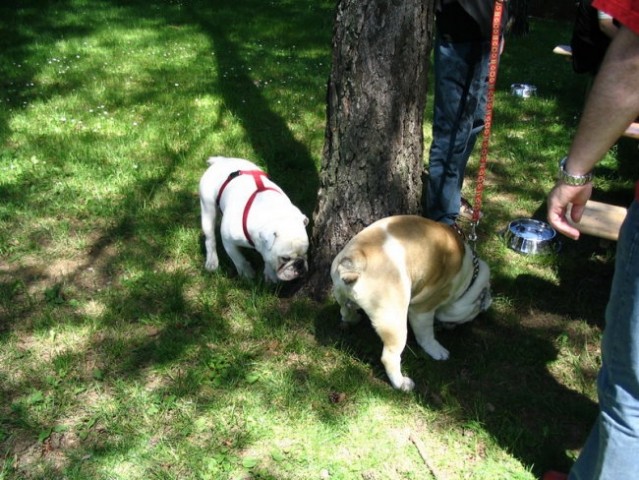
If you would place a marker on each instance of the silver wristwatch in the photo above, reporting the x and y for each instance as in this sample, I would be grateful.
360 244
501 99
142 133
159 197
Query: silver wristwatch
574 180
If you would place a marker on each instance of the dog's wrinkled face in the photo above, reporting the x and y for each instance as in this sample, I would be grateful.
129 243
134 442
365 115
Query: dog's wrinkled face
290 268
284 249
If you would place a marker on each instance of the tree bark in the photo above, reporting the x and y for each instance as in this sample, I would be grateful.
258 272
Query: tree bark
372 161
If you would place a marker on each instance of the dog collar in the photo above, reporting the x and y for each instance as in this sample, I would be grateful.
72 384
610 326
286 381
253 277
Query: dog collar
475 273
260 187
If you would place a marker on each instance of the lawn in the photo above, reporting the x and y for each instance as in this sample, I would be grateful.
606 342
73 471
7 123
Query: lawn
122 358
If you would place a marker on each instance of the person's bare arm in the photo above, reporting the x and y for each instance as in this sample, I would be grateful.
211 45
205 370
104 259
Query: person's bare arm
612 105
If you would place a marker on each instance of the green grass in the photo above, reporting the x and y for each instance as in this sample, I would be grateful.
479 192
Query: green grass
121 358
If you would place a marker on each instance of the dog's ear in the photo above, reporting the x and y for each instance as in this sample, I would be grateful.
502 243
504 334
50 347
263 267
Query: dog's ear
303 217
347 271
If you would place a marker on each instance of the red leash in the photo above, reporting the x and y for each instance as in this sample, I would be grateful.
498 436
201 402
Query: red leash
488 119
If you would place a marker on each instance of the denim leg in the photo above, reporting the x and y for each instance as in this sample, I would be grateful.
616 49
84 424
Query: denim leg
461 73
612 449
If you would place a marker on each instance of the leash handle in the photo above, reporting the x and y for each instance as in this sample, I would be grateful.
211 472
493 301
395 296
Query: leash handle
488 119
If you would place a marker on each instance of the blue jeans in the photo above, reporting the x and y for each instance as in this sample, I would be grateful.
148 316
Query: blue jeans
612 449
461 84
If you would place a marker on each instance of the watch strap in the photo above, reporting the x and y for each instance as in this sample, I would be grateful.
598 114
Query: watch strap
573 180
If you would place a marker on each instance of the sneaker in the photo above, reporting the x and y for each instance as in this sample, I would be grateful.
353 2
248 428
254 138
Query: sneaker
552 475
466 211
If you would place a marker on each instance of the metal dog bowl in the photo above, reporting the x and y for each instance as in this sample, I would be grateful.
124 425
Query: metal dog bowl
523 90
531 237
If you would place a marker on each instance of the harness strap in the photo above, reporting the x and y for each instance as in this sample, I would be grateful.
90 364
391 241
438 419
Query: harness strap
259 187
224 185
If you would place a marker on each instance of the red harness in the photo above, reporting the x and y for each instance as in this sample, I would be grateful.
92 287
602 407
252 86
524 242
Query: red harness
260 187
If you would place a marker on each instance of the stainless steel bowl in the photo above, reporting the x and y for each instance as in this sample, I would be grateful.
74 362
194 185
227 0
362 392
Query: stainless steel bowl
531 237
523 90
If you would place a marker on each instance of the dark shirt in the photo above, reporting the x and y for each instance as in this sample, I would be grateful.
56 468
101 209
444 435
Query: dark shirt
588 42
465 20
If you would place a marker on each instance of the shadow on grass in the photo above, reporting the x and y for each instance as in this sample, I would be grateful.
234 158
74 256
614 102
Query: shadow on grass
288 160
497 377
170 330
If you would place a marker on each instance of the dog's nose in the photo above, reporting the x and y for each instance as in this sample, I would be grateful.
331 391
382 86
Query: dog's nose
300 265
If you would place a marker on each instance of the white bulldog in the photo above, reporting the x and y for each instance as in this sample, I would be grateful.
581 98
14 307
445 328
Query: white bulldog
408 266
256 214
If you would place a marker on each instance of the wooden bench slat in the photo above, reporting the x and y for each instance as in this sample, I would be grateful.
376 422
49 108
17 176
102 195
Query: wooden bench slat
601 220
632 131
565 50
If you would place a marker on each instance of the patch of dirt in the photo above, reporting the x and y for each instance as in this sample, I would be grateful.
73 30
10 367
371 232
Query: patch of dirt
28 456
86 271
542 321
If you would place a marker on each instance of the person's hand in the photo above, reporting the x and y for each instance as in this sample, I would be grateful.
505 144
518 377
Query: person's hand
559 200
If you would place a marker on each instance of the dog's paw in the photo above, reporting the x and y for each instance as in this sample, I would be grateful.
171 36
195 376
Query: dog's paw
435 350
349 312
345 326
270 276
350 317
246 272
211 263
485 299
406 385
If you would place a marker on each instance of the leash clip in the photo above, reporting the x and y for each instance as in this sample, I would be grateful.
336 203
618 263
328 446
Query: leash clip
472 236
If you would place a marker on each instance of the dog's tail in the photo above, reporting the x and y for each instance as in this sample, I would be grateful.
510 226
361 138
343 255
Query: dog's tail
212 160
350 266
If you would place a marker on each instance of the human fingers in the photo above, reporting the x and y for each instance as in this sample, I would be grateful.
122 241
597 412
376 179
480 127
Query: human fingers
557 210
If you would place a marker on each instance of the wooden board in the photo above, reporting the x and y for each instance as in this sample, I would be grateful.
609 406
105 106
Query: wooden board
565 50
632 131
600 220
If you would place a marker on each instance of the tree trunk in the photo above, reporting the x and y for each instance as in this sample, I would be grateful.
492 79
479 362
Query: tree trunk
372 162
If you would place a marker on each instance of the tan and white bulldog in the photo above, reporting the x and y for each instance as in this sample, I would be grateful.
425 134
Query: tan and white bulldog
256 214
408 266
